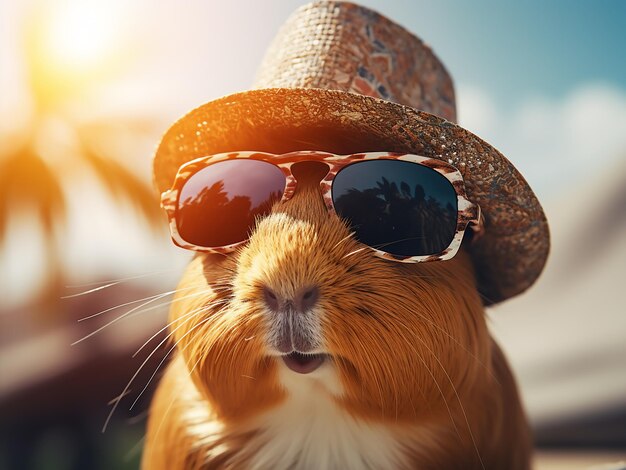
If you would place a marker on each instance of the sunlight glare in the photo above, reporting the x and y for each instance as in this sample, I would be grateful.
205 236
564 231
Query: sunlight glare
81 34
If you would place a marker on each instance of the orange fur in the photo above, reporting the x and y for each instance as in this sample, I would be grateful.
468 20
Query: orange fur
409 343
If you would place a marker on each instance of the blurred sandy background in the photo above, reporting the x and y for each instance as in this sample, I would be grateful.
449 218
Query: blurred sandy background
88 87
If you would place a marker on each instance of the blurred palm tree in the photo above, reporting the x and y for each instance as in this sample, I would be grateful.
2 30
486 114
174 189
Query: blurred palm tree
31 179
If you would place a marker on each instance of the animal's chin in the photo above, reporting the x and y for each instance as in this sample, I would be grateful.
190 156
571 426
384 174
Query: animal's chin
303 363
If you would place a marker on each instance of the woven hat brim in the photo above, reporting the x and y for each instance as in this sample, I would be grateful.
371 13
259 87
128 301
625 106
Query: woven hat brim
510 255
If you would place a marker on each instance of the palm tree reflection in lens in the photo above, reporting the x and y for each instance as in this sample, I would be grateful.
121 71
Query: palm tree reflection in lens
392 218
219 205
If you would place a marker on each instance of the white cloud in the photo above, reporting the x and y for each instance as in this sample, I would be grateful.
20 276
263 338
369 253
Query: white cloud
553 143
477 111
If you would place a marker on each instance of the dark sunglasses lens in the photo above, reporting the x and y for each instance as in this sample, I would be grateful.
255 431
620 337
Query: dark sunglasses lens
398 207
218 205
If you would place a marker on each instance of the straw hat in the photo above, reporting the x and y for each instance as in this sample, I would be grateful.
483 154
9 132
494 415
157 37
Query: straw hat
344 79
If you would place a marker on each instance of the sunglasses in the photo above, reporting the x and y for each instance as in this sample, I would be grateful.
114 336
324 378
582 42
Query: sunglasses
405 207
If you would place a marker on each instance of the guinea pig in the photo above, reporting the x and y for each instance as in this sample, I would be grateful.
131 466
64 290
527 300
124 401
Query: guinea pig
375 364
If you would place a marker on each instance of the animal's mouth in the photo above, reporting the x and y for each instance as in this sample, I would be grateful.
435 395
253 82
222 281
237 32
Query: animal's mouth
303 363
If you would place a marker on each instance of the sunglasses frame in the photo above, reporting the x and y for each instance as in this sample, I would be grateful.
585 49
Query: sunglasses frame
468 213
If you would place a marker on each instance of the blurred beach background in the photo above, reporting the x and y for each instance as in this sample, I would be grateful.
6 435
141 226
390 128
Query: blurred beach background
88 87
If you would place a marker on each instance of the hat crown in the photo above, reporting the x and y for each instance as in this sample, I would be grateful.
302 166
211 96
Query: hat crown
347 47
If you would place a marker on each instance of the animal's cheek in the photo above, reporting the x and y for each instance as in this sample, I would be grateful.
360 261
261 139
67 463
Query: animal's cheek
229 355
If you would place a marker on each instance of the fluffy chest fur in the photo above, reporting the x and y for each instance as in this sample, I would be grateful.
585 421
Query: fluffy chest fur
309 430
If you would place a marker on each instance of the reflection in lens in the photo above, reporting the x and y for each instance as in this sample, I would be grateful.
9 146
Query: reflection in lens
218 205
398 207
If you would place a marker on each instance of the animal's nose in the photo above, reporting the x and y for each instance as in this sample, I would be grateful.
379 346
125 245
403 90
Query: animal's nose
303 300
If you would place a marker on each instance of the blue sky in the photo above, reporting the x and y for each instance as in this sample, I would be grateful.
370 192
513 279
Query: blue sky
513 49
518 49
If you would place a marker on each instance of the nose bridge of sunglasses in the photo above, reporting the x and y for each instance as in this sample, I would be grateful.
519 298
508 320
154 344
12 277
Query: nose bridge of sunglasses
309 172
306 200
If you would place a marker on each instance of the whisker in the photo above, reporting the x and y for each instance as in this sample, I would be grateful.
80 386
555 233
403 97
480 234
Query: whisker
121 279
136 311
456 341
456 394
162 294
167 410
430 372
169 324
90 291
382 245
119 397
221 328
143 364
347 237
167 355
200 310
151 297
354 252
174 395
121 317
372 369
135 450
193 312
